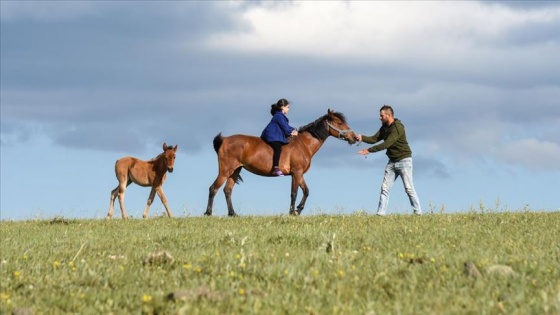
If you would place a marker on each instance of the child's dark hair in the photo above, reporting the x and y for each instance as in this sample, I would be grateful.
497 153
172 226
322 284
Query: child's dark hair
278 106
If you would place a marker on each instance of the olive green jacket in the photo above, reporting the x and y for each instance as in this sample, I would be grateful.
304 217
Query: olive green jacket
394 140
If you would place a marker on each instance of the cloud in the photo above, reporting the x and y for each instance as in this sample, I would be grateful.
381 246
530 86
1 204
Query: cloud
531 153
378 30
522 5
46 11
465 77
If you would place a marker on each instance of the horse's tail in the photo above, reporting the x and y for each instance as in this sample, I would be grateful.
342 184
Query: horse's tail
218 140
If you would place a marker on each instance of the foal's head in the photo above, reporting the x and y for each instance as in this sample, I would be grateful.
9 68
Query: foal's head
338 127
169 156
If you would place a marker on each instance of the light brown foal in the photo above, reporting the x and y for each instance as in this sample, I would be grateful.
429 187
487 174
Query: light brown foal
150 173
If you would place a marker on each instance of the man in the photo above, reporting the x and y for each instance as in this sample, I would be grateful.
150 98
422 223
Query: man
400 158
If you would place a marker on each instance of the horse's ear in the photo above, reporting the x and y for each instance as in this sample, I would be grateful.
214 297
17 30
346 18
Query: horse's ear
164 146
330 112
175 148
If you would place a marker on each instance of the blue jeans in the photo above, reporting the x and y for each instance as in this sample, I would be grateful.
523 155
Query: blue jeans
402 168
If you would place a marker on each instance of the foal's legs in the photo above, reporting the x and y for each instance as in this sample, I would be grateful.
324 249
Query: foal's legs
122 188
118 191
164 201
114 194
161 196
149 203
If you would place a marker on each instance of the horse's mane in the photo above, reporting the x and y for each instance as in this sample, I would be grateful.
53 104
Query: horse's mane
317 128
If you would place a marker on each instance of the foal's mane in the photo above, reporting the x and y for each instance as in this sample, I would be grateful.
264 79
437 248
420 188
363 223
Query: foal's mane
317 128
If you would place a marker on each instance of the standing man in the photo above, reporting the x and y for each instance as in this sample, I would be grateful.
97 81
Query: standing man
400 158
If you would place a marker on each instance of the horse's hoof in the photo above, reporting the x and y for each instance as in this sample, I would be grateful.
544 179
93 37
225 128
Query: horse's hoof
233 214
208 214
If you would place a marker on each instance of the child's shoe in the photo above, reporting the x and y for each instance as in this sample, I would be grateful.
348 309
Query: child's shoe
277 172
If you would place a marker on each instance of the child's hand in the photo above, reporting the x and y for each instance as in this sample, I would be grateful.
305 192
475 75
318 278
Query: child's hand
294 133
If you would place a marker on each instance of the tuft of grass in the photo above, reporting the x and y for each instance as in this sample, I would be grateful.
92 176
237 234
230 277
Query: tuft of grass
477 262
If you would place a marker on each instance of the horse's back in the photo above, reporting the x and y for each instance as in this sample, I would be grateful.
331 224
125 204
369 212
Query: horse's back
241 141
242 148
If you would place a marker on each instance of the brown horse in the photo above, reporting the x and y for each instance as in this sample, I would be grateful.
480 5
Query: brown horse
144 173
254 154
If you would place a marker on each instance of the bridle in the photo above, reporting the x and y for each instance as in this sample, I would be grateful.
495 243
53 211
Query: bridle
341 133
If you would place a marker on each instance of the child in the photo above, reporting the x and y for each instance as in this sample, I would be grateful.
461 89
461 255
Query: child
276 132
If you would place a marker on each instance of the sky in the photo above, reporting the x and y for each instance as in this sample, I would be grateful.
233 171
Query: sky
84 83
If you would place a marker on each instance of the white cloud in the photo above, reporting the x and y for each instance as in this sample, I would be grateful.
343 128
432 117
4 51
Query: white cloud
531 153
377 29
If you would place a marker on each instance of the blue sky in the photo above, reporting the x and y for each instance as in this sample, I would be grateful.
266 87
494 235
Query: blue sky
476 85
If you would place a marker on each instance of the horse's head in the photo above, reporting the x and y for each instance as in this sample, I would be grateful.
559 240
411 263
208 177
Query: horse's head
338 127
169 156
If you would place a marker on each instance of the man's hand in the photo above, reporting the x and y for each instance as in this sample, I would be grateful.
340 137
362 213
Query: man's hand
363 152
359 137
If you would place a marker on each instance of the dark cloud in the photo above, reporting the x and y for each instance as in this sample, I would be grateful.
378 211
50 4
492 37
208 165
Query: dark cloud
429 167
129 75
13 133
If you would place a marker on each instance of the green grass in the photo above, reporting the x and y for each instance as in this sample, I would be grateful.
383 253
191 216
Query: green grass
354 264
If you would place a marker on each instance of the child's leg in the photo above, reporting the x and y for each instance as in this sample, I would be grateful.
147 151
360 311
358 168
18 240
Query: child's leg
277 148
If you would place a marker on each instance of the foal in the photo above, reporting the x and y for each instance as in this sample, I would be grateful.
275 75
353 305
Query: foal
144 173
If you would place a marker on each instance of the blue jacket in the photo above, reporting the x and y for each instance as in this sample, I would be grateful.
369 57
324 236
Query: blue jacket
277 129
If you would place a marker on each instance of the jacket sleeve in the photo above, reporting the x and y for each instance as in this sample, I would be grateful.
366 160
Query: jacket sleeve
394 134
372 139
282 121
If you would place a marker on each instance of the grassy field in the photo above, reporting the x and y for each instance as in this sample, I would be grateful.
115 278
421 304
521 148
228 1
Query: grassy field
472 263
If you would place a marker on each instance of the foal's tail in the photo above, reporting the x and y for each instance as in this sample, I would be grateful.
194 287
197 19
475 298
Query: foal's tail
218 140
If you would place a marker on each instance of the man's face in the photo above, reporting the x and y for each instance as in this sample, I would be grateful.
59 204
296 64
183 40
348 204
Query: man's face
385 117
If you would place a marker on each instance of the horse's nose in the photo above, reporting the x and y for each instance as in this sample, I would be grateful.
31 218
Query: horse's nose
170 169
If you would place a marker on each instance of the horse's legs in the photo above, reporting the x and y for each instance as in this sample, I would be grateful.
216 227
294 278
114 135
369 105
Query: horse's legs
305 189
163 199
293 194
149 203
230 183
298 182
212 192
